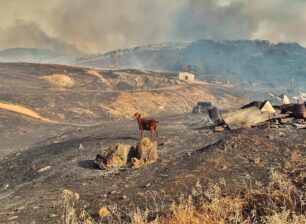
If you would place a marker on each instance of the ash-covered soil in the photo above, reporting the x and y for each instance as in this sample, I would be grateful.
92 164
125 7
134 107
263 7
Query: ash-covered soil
188 151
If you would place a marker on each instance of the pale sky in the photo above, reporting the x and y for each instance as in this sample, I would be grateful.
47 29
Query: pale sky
101 25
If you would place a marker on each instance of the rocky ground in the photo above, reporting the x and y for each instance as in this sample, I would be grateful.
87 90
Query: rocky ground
33 180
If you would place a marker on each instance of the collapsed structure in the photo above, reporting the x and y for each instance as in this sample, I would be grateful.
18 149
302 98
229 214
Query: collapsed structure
257 112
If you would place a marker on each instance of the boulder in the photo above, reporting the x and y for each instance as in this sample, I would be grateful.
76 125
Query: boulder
115 156
121 155
146 152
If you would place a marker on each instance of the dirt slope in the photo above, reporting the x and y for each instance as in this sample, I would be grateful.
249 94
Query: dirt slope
79 95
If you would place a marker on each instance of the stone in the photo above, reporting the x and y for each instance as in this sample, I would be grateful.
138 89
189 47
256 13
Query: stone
44 169
6 186
124 197
257 160
146 151
120 155
281 134
115 156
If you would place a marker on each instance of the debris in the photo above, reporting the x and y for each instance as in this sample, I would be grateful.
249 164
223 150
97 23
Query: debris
299 111
286 120
300 100
257 160
299 126
44 169
284 99
215 116
281 134
219 128
258 104
166 142
202 107
267 107
5 187
12 218
124 197
81 146
224 167
270 137
245 118
263 106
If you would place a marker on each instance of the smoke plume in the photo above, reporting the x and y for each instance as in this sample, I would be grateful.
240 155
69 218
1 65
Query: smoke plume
102 25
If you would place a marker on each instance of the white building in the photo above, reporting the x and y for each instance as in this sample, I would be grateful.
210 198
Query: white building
186 76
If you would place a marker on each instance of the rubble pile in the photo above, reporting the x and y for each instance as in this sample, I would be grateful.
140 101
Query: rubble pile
257 112
202 107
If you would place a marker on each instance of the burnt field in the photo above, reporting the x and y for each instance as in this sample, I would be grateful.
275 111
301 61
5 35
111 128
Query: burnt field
54 120
188 152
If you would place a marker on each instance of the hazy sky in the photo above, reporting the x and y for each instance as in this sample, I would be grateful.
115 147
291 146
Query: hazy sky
102 25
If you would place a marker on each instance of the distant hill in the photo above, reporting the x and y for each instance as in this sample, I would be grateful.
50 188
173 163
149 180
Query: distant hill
34 55
250 60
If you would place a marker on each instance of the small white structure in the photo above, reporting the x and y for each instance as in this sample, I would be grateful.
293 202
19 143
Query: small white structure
284 99
186 76
267 107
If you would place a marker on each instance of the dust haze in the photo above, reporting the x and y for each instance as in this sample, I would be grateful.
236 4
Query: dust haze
93 26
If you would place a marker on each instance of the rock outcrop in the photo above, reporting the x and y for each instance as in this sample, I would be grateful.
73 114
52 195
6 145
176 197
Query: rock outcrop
115 156
146 153
121 155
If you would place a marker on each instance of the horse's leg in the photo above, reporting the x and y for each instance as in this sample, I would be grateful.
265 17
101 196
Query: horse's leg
156 132
141 134
151 130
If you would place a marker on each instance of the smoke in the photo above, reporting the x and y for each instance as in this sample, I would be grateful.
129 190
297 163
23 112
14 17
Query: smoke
30 35
102 25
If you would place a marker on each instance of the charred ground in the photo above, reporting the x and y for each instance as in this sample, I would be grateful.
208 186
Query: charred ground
40 159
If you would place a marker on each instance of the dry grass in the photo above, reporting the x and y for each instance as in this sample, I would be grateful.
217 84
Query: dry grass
100 77
60 80
281 202
177 100
20 109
